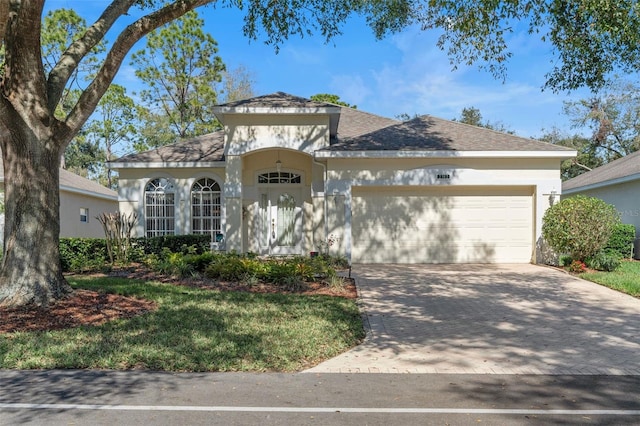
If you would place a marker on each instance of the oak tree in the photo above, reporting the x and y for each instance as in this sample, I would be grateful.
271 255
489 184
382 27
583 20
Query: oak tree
33 137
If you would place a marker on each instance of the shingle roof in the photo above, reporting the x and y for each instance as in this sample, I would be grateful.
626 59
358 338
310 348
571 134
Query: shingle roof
277 100
209 147
428 133
73 182
354 123
625 167
356 131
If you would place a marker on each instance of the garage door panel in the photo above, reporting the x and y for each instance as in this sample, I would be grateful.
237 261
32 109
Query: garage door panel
414 225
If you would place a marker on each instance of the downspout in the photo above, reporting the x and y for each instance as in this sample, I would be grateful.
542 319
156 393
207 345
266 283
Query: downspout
324 195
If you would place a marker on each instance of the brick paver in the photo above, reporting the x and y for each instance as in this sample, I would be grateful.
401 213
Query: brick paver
490 319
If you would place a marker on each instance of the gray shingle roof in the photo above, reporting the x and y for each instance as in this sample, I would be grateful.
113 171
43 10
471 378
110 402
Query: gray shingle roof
354 123
277 100
72 181
625 167
356 131
428 133
206 148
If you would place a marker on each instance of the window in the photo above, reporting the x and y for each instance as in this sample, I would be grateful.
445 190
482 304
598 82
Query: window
205 207
279 177
84 214
159 205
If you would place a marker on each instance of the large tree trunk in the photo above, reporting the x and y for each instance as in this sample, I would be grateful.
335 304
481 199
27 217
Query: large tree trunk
31 272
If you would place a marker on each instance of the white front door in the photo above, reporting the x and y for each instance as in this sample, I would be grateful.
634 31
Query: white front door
280 219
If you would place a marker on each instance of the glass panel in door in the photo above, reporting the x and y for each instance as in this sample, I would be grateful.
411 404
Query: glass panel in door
280 222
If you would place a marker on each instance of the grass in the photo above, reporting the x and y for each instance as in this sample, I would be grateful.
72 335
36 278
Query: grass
195 330
625 279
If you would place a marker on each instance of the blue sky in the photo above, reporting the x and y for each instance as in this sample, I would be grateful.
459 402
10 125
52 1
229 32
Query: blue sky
404 73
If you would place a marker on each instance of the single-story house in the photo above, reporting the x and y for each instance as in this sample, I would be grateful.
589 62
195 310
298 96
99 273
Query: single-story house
81 200
287 175
617 183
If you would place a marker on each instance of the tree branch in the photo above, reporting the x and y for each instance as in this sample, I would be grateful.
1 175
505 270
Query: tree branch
582 166
70 59
23 63
121 47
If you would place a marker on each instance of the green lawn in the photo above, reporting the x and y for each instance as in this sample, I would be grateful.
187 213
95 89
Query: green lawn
195 330
625 279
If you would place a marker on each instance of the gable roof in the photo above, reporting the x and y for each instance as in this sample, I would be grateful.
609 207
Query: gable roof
352 131
72 182
623 169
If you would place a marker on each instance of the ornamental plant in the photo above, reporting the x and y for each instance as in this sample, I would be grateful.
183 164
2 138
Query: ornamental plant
579 226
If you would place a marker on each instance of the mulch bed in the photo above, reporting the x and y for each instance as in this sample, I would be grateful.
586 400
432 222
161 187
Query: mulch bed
85 307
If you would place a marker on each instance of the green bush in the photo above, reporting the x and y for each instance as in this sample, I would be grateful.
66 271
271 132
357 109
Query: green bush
289 272
579 226
169 263
565 260
197 244
199 262
621 240
604 261
82 254
229 267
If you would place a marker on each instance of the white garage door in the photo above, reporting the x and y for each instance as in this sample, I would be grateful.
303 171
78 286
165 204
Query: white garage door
442 225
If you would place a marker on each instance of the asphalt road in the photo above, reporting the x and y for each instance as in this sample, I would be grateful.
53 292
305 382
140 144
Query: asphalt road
140 397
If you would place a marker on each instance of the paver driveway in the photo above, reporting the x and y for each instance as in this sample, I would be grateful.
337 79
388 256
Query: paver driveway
503 319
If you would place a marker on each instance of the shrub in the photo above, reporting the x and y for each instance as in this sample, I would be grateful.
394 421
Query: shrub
199 262
228 267
565 260
197 244
580 226
621 240
577 267
604 261
82 254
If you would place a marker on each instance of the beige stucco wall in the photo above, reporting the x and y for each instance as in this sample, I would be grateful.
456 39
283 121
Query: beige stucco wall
241 191
624 196
252 132
70 204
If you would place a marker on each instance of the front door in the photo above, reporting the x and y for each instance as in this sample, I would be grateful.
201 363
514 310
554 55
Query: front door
280 221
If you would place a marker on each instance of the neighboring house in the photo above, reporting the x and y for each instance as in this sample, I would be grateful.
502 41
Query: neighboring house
286 175
617 183
81 200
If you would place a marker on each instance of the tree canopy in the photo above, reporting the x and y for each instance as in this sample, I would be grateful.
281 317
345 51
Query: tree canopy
180 69
332 99
473 116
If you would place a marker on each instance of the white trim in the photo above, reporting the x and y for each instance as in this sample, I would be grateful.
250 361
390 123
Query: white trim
168 164
445 154
597 185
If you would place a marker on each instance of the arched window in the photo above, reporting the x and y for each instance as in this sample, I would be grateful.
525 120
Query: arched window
279 177
160 207
205 207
